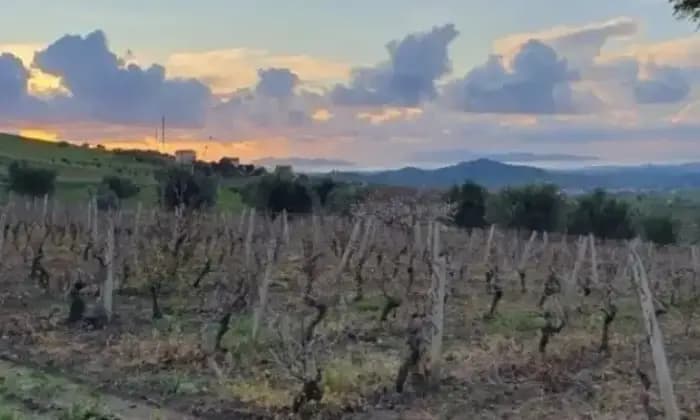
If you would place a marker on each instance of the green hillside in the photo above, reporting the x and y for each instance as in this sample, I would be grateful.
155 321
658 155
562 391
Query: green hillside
80 168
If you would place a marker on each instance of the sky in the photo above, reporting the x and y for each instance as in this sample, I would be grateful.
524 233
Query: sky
375 83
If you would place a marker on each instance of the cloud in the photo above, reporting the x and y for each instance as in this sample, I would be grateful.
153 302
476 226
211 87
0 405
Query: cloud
15 100
577 43
103 88
226 71
665 85
13 81
624 77
276 83
538 82
409 78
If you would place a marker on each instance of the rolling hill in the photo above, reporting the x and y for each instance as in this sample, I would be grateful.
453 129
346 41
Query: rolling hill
80 169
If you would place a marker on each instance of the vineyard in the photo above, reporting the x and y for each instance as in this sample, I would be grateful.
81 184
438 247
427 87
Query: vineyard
386 313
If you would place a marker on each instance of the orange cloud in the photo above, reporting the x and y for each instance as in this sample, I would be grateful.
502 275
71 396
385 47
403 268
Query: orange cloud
322 115
677 52
389 114
227 70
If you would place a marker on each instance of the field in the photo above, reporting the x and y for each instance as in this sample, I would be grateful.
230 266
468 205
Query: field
382 315
80 169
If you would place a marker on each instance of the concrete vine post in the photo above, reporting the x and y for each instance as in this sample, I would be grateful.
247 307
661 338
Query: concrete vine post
655 337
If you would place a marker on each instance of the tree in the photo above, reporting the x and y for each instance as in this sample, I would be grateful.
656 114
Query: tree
601 215
532 207
32 182
323 188
277 192
687 9
470 205
659 229
181 187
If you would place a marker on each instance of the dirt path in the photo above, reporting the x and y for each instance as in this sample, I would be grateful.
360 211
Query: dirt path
33 394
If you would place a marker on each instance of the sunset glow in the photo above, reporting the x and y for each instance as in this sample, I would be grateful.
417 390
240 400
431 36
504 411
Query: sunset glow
39 134
238 81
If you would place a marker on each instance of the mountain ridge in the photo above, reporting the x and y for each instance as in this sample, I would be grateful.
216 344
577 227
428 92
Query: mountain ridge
494 174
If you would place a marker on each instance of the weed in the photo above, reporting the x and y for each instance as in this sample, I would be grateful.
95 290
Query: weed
85 411
261 393
347 380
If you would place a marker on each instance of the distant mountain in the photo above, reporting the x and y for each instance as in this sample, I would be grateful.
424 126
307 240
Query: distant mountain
456 155
483 171
493 174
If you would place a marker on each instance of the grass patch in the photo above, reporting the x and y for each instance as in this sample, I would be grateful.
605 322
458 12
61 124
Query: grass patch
514 322
370 304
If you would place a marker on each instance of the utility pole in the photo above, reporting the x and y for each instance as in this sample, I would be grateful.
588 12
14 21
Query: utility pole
162 132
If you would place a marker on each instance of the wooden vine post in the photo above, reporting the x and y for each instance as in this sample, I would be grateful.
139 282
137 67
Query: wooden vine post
571 282
249 238
487 251
3 221
696 267
95 220
595 278
346 252
285 227
655 337
264 287
439 280
108 285
523 260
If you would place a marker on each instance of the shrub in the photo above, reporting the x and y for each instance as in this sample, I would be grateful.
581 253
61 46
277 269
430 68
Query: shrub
123 188
661 230
28 181
342 198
